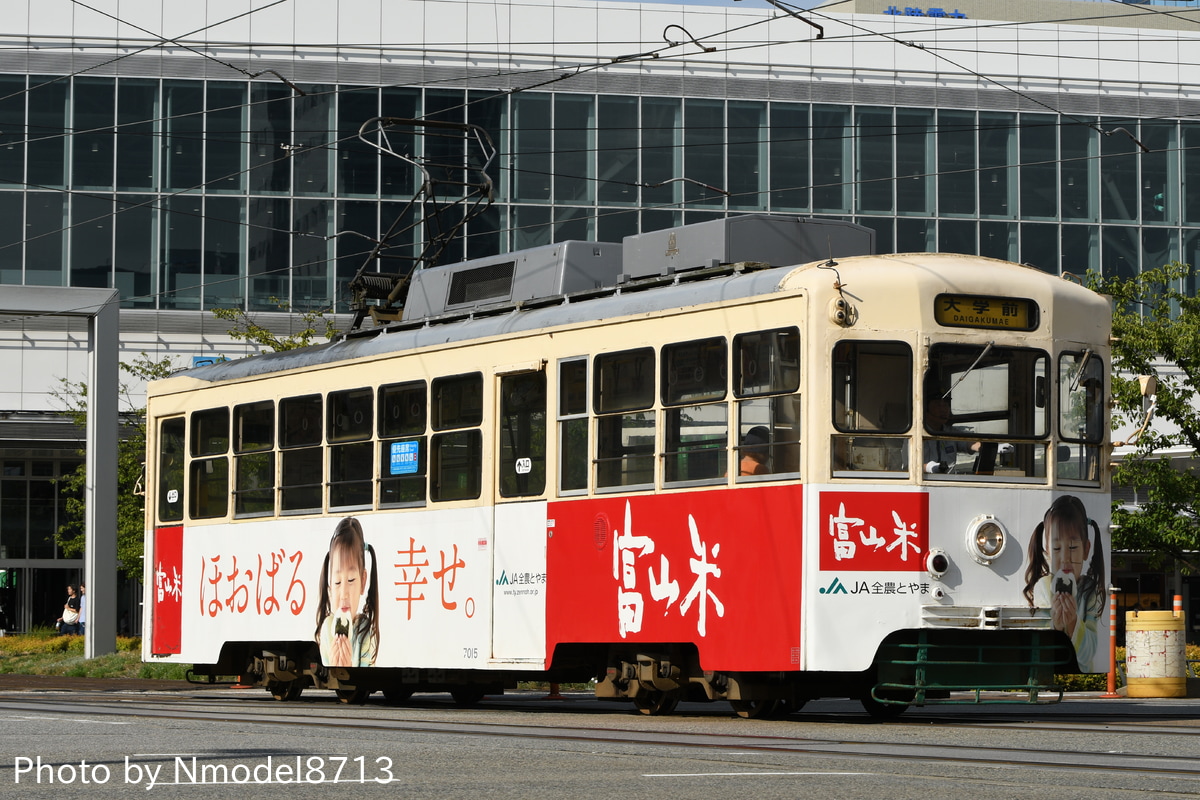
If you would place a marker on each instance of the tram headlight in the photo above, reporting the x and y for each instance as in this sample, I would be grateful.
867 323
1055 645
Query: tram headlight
986 537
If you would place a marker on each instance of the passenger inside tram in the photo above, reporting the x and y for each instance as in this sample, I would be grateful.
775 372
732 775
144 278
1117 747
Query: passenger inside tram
754 451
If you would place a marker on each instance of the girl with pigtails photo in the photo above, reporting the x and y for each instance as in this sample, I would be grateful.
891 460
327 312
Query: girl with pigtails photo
348 611
1066 574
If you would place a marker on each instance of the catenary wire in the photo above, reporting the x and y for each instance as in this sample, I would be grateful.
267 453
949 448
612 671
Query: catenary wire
292 232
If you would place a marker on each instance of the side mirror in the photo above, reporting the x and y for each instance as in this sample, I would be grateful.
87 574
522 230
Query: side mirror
1064 452
1148 384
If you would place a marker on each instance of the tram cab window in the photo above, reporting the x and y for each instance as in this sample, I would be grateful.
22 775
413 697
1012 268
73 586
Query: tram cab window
301 453
351 453
403 443
766 379
522 434
170 470
572 425
984 408
1080 416
254 459
696 419
209 474
872 408
623 399
456 455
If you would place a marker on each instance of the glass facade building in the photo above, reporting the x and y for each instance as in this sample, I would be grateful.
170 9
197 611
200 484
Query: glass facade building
223 168
195 194
33 569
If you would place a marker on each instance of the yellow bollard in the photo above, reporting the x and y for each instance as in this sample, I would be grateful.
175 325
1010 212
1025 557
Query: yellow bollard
1155 656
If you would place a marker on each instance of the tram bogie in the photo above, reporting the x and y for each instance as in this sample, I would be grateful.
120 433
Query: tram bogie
741 467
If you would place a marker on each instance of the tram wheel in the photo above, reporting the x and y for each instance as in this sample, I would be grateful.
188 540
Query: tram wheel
760 709
352 697
467 698
397 696
285 690
656 704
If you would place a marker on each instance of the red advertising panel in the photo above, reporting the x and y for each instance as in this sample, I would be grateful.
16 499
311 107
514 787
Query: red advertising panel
874 531
719 568
167 604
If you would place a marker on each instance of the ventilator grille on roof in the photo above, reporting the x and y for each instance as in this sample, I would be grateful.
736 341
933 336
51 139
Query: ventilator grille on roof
490 282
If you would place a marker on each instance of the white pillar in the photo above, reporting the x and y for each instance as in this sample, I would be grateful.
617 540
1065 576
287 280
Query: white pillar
100 568
101 307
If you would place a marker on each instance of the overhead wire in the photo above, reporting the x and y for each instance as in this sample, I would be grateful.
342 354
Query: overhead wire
521 72
158 44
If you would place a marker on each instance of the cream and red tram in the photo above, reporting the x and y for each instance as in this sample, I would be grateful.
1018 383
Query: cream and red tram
742 460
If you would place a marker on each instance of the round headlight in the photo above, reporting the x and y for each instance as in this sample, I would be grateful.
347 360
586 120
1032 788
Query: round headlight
986 538
989 539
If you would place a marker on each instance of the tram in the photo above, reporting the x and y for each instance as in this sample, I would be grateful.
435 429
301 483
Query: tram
743 460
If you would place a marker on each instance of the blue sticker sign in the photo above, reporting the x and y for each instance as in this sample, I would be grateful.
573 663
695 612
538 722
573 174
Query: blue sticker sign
403 460
912 11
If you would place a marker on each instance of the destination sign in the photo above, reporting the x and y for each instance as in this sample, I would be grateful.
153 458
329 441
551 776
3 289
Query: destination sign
975 311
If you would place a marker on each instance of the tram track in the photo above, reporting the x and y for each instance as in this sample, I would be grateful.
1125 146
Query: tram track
1113 719
774 739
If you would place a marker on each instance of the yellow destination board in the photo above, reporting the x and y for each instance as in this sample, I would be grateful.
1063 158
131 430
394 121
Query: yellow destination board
976 311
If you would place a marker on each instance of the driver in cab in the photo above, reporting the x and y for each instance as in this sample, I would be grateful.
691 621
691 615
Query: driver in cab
939 455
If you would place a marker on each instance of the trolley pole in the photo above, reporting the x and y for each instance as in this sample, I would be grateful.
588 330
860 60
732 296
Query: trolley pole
1111 692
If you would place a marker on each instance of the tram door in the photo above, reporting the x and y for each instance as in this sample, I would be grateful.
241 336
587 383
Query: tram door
519 567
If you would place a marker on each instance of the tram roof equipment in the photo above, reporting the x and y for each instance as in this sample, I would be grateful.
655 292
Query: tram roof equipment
574 281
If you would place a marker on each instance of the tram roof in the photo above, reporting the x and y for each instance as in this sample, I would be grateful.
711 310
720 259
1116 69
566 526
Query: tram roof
640 297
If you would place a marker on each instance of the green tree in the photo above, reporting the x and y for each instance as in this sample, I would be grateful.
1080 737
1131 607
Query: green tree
245 329
1156 331
131 456
131 444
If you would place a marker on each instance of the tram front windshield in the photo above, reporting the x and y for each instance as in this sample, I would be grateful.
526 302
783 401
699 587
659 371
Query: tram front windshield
984 407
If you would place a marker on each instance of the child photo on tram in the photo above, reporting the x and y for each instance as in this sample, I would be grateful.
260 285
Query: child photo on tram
1066 572
348 611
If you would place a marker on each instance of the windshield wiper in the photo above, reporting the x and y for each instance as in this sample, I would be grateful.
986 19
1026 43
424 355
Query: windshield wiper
975 364
1087 357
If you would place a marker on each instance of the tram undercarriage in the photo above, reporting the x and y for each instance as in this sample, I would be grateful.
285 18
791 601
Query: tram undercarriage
912 667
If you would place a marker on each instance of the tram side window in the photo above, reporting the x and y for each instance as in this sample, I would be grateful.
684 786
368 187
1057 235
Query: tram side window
301 453
351 453
254 459
170 470
572 425
523 434
766 379
872 402
1080 415
694 381
623 399
209 483
456 456
403 443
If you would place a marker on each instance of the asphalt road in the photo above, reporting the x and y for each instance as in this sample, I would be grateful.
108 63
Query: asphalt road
65 739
